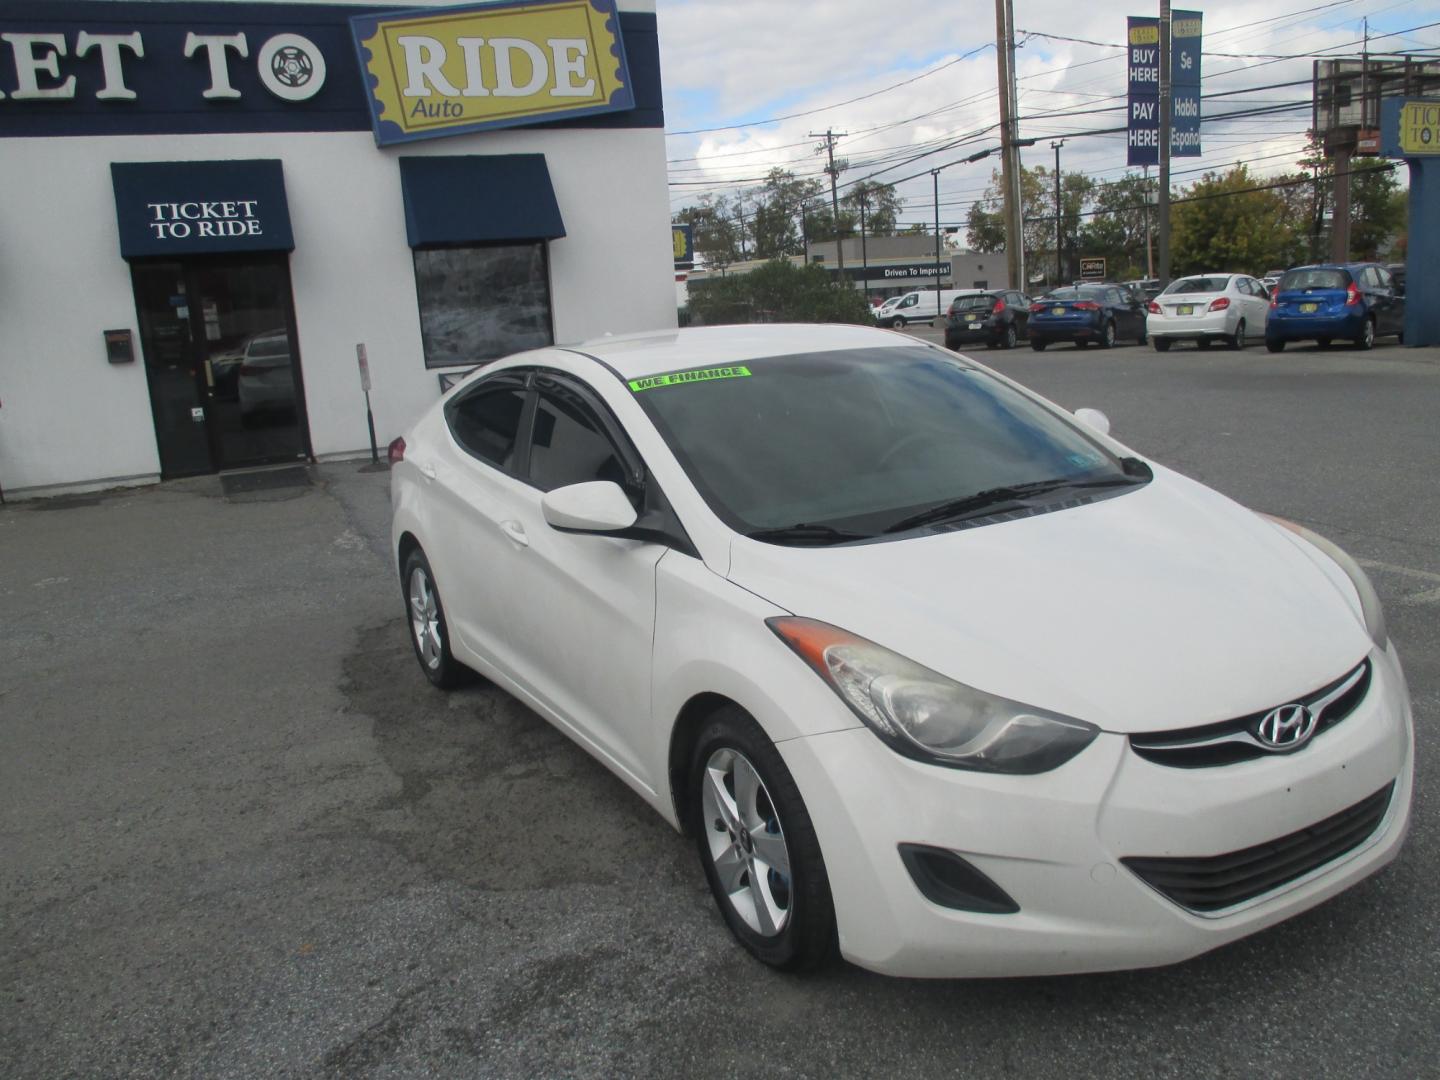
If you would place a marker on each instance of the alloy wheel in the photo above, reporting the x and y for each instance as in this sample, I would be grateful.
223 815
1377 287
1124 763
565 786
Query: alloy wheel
746 843
425 619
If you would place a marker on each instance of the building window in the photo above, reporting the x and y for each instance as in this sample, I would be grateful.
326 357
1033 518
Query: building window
482 303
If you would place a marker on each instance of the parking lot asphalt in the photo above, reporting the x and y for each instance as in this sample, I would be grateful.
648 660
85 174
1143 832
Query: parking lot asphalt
241 835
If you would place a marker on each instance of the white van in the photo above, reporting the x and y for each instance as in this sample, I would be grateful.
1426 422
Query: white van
918 306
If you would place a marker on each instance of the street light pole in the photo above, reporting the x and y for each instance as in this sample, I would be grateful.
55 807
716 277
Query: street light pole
1059 235
935 176
864 255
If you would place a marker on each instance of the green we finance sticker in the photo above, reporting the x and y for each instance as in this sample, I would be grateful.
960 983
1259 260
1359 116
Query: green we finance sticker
676 378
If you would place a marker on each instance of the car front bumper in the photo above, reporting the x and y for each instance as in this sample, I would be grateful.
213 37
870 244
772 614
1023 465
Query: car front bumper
1054 843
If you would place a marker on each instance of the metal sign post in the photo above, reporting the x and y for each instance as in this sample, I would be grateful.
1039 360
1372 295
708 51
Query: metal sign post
364 362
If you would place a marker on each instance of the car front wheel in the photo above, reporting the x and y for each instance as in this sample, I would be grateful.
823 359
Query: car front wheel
1366 339
898 322
429 632
758 846
1107 336
1008 342
1237 339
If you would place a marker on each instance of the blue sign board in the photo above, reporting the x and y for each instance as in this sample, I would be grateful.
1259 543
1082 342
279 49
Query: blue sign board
140 67
1142 62
1410 129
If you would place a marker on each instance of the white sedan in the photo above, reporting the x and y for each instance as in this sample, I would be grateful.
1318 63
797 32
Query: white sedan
932 671
1206 308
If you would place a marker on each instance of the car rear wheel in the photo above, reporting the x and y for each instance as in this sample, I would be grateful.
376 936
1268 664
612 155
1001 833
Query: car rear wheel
1322 343
1038 345
429 632
1274 345
1162 344
1237 340
757 845
1203 343
1366 339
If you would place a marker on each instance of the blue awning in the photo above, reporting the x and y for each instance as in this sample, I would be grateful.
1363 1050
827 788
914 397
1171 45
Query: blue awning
477 199
200 207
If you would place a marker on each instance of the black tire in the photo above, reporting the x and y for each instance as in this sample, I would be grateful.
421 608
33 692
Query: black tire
1107 336
1204 343
1038 345
440 666
1236 340
1142 338
1366 341
1400 338
1008 341
1162 344
807 938
1322 343
1274 345
1082 343
897 323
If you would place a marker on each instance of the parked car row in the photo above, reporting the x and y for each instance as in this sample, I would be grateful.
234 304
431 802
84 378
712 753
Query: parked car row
1355 302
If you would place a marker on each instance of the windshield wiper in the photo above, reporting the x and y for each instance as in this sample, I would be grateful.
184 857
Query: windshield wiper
990 499
806 534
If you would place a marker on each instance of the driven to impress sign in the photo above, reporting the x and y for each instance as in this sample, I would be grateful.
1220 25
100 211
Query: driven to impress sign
454 70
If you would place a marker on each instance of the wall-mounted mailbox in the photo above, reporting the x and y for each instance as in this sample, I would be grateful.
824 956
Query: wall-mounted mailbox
120 346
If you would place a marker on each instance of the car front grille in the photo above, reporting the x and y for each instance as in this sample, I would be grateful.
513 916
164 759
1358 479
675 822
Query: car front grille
1231 741
1221 881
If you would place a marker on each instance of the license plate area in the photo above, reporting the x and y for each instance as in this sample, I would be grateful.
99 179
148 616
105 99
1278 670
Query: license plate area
1309 309
1185 309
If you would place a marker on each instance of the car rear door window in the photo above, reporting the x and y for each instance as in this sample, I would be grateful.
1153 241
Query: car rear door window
568 444
486 423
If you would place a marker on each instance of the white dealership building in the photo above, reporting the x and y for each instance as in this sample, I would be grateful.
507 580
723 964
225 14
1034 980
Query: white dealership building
206 207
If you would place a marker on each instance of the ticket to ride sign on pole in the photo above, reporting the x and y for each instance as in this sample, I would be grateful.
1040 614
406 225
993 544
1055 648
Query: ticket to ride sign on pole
449 71
1410 129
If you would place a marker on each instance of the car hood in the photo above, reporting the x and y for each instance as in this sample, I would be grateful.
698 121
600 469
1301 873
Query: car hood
1163 607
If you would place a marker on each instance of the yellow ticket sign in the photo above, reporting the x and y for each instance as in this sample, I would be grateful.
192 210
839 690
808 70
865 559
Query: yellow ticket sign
449 71
1420 128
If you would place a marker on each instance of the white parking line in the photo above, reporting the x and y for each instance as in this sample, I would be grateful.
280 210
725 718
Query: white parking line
1428 596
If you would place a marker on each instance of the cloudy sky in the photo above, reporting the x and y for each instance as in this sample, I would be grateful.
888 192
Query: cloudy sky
747 81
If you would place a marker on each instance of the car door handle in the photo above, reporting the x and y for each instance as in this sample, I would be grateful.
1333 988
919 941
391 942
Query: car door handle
516 532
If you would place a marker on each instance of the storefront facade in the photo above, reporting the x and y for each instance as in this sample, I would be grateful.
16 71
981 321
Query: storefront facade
205 208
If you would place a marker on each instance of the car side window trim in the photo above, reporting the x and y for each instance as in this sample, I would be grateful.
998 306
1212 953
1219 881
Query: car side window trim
510 379
608 425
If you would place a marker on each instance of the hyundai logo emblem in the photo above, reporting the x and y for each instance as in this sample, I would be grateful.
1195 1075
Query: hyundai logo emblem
1287 728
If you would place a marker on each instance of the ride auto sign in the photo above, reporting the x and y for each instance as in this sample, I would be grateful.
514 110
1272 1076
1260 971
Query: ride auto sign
448 71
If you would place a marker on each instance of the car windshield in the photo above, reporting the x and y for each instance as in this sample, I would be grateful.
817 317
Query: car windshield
861 440
1198 285
1081 292
1314 279
973 303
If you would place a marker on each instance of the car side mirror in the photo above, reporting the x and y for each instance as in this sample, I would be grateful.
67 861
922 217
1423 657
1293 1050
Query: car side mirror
599 506
1094 419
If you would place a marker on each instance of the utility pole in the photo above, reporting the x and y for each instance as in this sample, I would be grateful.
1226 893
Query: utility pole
935 176
1010 153
830 136
805 231
1059 233
1149 251
1162 204
864 255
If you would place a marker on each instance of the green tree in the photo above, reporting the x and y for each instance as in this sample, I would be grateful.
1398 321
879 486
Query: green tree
882 206
1377 203
718 230
776 219
985 230
1223 223
1116 229
779 291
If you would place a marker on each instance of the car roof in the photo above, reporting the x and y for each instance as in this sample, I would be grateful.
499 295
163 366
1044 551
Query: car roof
637 355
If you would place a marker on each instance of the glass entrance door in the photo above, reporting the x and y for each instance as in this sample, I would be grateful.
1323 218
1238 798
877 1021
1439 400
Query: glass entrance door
218 337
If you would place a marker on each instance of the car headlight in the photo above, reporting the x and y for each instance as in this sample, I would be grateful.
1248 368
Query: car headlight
1370 607
927 716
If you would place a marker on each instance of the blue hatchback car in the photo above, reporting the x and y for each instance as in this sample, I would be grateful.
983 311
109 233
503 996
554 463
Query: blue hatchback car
1348 301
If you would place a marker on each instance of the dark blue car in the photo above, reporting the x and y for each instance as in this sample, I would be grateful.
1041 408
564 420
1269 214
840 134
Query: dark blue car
1085 313
1347 301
